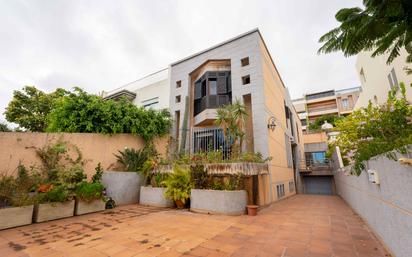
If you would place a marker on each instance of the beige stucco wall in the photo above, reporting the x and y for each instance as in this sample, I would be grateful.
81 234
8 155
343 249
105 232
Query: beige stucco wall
20 147
376 77
315 138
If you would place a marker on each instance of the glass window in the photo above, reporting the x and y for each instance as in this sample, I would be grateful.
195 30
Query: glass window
212 87
345 103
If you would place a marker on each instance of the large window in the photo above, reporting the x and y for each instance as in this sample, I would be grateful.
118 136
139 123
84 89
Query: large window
152 103
315 158
345 104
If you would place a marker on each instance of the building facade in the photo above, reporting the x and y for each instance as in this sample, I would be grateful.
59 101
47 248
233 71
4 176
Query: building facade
378 78
331 102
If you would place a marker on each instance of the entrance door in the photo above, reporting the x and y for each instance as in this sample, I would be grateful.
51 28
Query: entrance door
318 185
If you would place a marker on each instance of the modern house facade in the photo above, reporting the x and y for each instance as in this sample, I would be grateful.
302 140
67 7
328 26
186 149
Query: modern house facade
240 69
332 102
378 78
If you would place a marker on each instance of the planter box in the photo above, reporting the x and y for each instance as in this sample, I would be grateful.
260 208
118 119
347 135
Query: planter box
83 207
53 211
218 201
16 216
122 187
154 196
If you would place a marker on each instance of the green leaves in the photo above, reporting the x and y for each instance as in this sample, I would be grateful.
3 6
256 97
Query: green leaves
385 26
89 191
376 130
83 112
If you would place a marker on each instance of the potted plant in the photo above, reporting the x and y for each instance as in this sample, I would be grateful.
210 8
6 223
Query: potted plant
154 193
56 203
89 198
16 205
124 186
178 185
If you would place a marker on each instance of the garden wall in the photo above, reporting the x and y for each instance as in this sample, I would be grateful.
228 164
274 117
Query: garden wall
387 207
18 147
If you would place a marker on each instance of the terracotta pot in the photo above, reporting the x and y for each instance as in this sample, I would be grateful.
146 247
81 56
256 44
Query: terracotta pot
252 210
180 204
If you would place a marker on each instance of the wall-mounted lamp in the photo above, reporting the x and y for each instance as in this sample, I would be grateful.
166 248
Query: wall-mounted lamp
272 123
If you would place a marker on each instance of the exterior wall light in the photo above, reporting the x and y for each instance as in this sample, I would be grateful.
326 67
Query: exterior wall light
272 123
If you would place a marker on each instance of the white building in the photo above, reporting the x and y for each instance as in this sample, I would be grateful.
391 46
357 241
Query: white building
378 78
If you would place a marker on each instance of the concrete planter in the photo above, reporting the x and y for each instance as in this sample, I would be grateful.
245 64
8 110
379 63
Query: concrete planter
218 201
154 196
16 216
53 211
83 207
122 187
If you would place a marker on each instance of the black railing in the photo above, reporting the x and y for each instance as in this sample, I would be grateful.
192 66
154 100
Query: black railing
210 102
313 165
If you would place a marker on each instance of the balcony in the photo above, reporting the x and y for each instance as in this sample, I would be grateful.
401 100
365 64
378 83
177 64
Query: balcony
210 102
316 167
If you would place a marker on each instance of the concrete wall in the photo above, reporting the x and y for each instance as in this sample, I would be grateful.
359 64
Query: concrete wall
387 207
18 147
375 80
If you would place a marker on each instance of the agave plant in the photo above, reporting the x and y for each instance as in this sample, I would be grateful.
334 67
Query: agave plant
134 160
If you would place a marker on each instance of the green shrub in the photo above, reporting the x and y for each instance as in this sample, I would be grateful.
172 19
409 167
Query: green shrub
7 188
89 191
178 185
158 178
57 194
199 176
97 177
134 160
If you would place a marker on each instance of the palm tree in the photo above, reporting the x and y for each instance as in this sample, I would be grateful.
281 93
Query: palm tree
382 26
239 115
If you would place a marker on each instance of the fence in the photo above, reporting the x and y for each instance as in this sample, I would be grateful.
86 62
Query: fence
387 206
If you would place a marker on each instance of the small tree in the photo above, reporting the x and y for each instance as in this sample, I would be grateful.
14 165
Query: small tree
232 119
30 107
4 127
375 130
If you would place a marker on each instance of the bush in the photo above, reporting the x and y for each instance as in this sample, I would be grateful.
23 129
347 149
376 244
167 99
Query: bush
178 185
134 160
79 111
97 177
57 194
157 179
89 191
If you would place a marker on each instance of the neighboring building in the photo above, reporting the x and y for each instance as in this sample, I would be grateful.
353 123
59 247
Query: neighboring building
378 78
238 69
151 91
331 102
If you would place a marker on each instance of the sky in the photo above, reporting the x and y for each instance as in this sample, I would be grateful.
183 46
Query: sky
100 45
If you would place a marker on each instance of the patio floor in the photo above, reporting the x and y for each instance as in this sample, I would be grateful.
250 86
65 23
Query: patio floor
303 225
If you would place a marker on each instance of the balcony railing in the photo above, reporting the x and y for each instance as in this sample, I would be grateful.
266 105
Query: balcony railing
210 139
315 165
211 102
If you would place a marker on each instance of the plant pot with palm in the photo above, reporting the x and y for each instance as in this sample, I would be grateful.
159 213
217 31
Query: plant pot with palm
178 186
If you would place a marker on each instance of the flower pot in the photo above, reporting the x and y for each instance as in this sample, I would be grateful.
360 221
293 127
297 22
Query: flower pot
122 187
252 210
218 201
83 207
154 196
53 211
180 204
16 216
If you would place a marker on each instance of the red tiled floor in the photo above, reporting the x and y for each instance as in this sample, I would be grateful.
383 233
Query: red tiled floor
303 225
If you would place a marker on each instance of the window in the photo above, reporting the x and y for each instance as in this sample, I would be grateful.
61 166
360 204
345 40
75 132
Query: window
291 187
280 189
303 121
362 74
288 151
178 84
345 103
245 61
212 86
393 80
246 80
152 103
178 98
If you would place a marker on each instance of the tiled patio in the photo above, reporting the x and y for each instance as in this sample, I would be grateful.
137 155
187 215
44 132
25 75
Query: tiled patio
303 225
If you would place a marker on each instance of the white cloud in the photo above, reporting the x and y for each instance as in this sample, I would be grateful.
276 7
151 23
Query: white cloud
99 45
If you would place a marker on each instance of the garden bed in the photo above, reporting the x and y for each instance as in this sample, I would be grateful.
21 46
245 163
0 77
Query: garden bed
83 207
123 187
16 216
53 211
154 196
218 201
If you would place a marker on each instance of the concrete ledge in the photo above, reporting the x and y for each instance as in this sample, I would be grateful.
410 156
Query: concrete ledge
16 216
218 201
123 187
83 207
154 196
53 211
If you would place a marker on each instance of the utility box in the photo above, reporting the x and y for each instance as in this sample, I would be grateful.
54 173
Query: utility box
373 176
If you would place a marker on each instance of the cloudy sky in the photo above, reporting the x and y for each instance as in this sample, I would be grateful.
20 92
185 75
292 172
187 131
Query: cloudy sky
99 45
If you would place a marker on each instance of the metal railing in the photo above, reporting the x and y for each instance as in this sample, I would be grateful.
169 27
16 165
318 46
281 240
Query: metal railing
210 139
313 165
211 102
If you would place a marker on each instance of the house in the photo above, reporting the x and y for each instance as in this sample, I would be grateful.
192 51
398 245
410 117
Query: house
331 102
240 69
378 78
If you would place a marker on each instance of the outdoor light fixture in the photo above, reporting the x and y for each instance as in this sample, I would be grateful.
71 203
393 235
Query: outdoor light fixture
272 123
